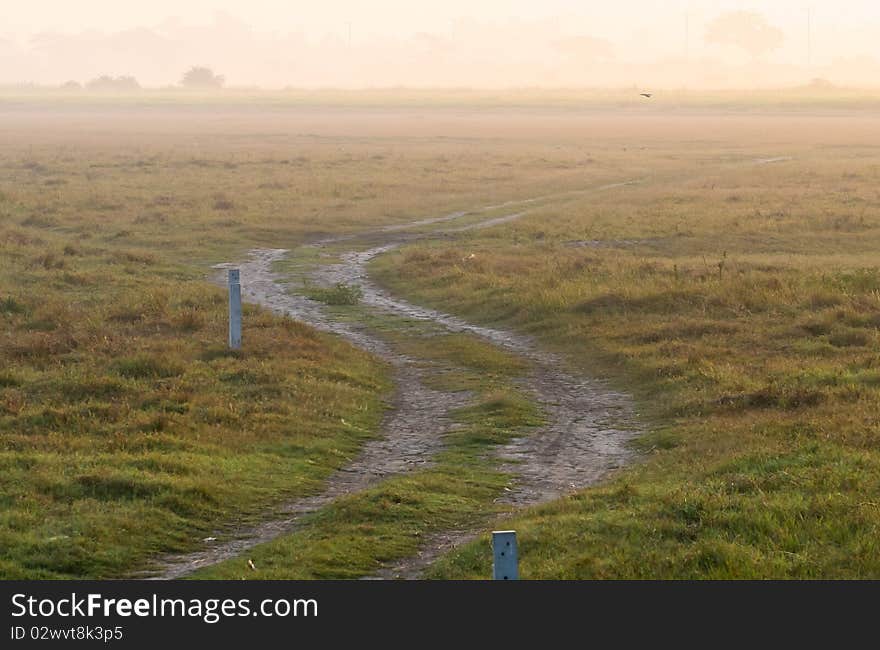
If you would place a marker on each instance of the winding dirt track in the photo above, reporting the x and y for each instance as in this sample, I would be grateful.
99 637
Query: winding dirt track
584 438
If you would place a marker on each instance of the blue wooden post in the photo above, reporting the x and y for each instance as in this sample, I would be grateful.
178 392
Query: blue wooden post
234 309
506 559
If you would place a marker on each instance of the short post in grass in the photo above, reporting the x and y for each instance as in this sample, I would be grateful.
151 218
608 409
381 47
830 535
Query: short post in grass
234 309
505 565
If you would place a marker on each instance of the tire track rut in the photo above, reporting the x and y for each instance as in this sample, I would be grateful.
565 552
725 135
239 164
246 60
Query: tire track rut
585 436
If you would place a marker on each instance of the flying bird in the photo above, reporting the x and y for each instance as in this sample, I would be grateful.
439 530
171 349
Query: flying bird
648 95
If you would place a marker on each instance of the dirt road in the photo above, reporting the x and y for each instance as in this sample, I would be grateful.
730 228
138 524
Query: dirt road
587 424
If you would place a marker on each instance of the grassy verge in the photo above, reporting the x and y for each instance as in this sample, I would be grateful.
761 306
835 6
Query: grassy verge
356 535
127 428
741 309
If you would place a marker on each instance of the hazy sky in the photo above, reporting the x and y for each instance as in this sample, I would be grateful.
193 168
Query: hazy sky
474 42
402 17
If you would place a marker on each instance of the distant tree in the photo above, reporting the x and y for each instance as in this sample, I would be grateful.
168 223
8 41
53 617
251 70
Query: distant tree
199 77
746 30
71 85
106 83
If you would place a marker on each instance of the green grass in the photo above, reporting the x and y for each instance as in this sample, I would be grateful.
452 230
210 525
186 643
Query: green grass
339 294
796 513
127 428
744 320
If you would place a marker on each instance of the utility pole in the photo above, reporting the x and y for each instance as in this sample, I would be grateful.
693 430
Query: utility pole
349 35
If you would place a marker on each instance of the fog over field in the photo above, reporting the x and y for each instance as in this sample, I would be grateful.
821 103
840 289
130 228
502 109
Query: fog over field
343 43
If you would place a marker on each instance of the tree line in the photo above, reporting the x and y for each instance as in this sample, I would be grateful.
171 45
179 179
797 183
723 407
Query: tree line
196 78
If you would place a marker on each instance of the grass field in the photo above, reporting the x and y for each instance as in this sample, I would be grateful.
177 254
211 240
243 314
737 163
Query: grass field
126 428
737 299
741 302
